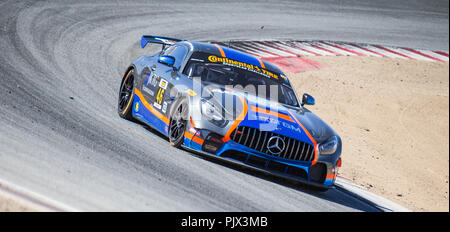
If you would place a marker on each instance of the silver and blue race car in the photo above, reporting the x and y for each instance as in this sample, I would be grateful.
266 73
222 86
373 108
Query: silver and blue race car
223 102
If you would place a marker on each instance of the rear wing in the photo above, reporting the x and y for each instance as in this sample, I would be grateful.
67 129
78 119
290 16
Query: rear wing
158 40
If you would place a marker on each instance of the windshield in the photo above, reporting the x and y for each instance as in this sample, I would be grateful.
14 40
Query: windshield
250 78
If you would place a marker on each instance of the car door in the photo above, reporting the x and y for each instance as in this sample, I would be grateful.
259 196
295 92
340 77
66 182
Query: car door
163 77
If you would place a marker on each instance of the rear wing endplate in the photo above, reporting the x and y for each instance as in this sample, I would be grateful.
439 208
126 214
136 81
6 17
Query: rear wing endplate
158 40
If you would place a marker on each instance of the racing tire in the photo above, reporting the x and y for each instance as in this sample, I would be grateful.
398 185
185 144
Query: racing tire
126 96
178 123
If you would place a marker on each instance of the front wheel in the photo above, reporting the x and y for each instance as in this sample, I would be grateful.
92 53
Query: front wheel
126 95
178 123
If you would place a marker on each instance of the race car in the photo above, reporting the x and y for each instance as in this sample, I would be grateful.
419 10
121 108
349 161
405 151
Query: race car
223 102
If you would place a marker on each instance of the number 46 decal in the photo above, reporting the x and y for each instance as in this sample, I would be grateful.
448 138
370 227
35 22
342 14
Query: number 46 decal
160 96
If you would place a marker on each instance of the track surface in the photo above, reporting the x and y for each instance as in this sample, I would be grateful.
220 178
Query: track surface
60 69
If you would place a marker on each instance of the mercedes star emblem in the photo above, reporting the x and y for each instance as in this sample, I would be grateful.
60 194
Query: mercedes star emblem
275 145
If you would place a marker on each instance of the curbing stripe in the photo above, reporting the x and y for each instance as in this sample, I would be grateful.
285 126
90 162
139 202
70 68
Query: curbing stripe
257 48
294 48
423 54
336 49
277 51
352 51
307 46
391 50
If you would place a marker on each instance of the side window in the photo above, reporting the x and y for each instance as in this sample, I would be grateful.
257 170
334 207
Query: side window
178 52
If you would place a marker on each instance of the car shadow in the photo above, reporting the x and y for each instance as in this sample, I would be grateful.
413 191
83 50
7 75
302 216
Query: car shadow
333 195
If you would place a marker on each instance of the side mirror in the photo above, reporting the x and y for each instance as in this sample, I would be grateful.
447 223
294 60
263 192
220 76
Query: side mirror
167 60
308 100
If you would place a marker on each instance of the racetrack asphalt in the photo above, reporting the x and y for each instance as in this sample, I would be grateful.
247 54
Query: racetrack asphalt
61 64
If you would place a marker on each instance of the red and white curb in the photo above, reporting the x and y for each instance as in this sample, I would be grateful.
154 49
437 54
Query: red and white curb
271 49
291 55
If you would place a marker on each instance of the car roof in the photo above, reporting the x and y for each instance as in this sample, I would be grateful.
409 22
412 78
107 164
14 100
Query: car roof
231 53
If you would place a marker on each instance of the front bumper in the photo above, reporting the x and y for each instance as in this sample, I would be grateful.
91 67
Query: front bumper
322 174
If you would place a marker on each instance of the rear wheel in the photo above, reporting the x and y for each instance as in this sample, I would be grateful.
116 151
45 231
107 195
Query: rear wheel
126 95
178 123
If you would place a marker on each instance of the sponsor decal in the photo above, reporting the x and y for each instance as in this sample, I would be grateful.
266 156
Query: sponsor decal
155 80
160 96
148 79
136 107
157 106
147 75
243 65
163 84
276 123
147 90
292 127
164 107
264 119
152 80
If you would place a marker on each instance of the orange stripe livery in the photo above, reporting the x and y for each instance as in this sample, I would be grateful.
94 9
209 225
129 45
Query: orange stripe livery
150 108
238 120
310 137
194 138
221 50
273 113
261 62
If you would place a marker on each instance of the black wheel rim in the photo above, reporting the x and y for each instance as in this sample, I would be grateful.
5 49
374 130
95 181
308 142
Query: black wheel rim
126 92
178 124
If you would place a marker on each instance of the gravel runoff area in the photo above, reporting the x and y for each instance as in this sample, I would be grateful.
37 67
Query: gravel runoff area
393 117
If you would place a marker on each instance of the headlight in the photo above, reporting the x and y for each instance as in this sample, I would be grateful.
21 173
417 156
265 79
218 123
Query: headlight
329 147
213 113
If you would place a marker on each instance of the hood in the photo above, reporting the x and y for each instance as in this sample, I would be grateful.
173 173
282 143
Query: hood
295 122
